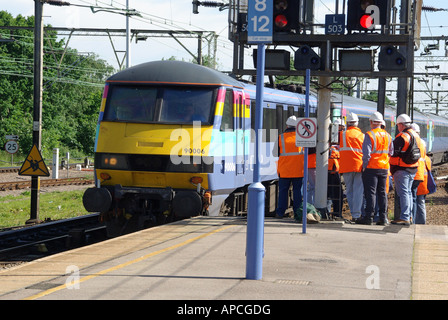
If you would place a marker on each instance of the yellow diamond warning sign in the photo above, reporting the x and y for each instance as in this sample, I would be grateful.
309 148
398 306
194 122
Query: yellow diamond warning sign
34 164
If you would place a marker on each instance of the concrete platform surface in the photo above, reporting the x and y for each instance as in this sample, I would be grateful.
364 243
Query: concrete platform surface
204 259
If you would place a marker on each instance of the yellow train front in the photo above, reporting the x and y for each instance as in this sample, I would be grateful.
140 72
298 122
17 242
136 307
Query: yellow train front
153 140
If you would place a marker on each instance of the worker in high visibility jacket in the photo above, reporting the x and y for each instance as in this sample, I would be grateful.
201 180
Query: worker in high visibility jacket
289 167
334 188
376 149
402 172
420 175
350 164
422 191
311 175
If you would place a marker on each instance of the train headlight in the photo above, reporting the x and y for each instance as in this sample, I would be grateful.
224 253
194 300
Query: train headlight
114 161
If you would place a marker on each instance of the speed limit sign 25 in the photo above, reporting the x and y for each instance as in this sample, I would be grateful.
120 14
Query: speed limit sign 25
11 147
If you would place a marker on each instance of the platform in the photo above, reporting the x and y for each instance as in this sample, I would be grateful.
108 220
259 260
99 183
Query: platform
204 259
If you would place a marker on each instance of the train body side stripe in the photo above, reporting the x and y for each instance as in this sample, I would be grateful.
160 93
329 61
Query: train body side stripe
220 102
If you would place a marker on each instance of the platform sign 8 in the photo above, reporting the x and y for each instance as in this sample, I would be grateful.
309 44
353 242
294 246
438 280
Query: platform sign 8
260 21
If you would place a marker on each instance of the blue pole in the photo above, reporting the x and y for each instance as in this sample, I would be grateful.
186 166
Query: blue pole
255 214
305 164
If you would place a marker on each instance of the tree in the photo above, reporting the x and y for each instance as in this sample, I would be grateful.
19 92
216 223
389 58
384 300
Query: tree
373 96
72 90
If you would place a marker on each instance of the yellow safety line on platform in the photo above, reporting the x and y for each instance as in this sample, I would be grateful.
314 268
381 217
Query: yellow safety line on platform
149 255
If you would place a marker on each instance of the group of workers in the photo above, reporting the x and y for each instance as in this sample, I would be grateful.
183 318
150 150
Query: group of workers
366 162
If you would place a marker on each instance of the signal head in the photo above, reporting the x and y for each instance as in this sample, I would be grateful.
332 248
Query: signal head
280 21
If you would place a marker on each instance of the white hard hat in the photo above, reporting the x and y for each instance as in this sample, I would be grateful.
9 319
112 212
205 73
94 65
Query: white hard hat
383 123
403 118
292 121
376 117
415 127
352 117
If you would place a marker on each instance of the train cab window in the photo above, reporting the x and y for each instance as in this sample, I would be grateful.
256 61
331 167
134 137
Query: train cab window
131 104
227 112
185 104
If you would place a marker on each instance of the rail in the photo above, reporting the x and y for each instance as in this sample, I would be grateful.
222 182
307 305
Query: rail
73 232
17 185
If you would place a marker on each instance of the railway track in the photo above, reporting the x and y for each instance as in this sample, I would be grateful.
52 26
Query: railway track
17 185
29 243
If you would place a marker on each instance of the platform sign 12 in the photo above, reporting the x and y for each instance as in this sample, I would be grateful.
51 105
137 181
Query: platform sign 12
260 23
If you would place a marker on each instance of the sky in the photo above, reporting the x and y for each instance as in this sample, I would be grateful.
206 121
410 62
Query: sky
156 15
178 15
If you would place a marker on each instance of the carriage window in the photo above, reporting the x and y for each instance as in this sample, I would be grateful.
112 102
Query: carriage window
133 104
270 132
423 130
227 112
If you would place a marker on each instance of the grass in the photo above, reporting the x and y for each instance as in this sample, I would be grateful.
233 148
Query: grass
15 210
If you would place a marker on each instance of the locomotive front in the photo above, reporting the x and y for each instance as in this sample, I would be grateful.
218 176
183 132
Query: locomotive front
152 145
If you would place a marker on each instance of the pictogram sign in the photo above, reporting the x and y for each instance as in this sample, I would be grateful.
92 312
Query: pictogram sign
34 164
306 130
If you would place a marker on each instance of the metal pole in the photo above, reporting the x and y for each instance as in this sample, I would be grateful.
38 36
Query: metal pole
128 38
305 164
55 169
381 95
255 214
402 90
37 109
323 137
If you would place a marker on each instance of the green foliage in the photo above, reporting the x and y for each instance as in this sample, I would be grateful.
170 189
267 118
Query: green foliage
373 96
72 91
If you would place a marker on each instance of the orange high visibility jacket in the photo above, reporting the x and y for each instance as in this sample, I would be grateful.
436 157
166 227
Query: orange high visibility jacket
395 160
423 186
420 175
350 143
333 160
311 158
290 161
379 156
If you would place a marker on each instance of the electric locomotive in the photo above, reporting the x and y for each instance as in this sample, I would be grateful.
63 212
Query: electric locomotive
174 140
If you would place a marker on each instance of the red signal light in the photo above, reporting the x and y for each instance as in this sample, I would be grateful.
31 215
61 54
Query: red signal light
281 21
366 21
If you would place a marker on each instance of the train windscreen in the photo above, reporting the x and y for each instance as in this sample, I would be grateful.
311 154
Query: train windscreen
159 104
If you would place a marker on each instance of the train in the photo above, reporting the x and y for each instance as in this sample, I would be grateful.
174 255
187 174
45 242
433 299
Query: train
176 139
